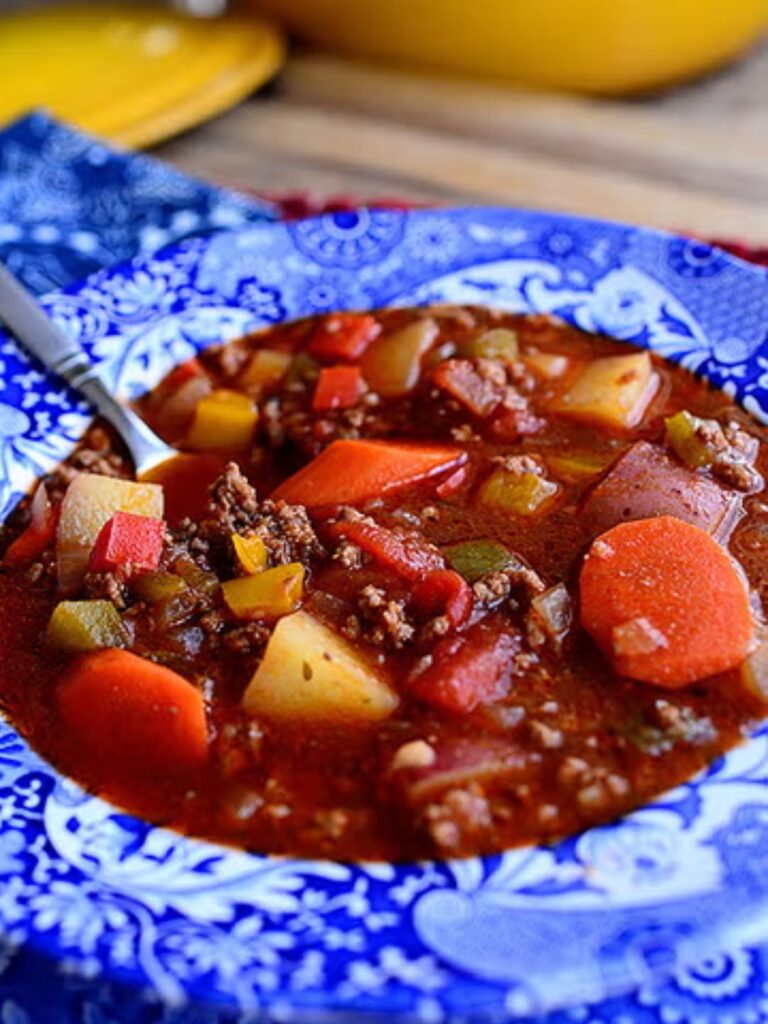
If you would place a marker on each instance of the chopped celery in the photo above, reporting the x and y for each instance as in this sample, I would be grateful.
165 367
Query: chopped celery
86 626
199 579
303 368
250 552
519 494
473 559
498 343
686 437
156 586
268 595
224 421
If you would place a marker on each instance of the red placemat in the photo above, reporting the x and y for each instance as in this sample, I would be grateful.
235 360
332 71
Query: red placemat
294 205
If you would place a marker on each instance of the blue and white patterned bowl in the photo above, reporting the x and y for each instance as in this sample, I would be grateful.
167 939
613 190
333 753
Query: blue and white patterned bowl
97 906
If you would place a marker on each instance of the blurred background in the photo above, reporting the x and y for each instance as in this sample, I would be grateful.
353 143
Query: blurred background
642 110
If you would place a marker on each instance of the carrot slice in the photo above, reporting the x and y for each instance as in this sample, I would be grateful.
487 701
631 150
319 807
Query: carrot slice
347 472
665 602
133 717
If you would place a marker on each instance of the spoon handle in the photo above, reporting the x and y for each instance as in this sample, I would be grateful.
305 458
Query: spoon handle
20 311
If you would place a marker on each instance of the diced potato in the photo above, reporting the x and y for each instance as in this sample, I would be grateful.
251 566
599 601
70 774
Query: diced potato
250 552
392 365
89 503
77 626
546 365
498 343
265 370
518 494
613 392
309 672
224 421
268 595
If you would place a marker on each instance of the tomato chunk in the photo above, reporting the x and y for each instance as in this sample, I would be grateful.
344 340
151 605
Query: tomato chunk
338 387
467 670
406 555
444 592
343 336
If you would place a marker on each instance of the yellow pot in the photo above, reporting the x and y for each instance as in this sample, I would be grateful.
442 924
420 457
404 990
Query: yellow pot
597 46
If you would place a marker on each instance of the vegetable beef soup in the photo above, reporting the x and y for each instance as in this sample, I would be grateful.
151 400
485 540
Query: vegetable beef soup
428 582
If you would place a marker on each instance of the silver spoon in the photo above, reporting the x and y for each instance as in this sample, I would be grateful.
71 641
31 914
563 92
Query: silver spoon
21 312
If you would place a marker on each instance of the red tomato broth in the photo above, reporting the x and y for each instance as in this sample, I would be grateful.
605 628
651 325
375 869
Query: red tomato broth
330 789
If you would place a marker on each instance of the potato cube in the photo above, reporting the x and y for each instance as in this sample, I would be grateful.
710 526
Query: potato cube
309 672
90 502
613 391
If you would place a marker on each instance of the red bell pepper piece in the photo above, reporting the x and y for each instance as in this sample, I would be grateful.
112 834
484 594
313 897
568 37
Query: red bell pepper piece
467 670
38 535
444 592
338 387
406 555
348 472
343 336
128 539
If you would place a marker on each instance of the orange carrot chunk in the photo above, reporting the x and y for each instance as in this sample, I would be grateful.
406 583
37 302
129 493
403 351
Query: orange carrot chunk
347 472
665 602
132 717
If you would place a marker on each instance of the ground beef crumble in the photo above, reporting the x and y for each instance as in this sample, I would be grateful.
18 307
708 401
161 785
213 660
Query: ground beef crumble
384 620
286 530
496 587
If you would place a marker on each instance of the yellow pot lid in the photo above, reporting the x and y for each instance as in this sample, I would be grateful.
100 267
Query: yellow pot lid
134 75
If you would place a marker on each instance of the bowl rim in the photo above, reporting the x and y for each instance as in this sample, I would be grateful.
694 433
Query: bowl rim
685 299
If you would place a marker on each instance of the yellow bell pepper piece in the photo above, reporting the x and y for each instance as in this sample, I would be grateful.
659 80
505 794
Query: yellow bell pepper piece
518 494
613 391
265 370
250 552
268 595
86 626
224 422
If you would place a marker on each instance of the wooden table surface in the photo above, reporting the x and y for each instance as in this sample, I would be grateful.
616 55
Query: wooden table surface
694 158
